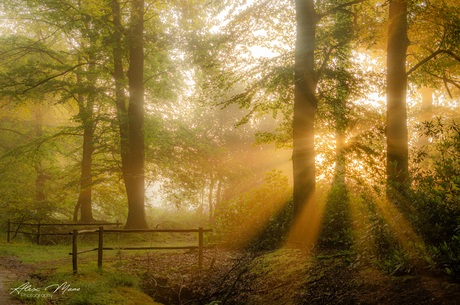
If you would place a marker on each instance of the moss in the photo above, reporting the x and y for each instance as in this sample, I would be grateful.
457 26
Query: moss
279 275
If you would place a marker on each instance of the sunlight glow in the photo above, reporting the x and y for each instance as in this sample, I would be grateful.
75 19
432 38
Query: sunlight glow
305 230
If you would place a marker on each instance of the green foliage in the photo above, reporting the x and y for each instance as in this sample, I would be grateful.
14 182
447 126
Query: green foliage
435 195
336 224
88 294
172 218
122 279
275 230
377 240
259 218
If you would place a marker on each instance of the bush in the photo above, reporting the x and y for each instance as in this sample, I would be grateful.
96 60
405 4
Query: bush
336 227
435 193
259 218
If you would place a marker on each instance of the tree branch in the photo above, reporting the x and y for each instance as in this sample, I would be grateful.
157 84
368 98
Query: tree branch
338 8
323 65
19 133
155 75
447 87
52 77
432 55
447 80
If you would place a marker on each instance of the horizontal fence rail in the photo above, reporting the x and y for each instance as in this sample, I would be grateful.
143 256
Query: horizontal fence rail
101 247
39 226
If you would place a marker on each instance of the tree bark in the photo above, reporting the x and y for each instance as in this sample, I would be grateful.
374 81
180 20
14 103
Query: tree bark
86 180
305 104
339 176
134 180
40 179
86 114
85 197
119 77
397 146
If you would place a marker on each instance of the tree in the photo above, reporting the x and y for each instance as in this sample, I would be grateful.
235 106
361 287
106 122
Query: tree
313 50
305 104
437 26
307 75
134 173
397 145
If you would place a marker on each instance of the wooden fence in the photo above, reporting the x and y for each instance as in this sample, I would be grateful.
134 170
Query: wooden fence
40 225
101 247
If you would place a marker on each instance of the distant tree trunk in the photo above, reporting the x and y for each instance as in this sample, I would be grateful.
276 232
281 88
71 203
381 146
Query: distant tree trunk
397 146
119 77
86 114
75 211
305 104
85 197
339 177
134 181
427 104
211 189
212 220
340 117
40 179
200 208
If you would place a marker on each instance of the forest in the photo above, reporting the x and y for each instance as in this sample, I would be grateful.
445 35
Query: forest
318 142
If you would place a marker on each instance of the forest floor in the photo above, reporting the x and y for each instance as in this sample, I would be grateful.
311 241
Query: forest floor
6 278
285 276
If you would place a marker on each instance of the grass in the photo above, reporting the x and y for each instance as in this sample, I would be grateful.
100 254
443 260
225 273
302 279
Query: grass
52 266
30 253
91 287
280 274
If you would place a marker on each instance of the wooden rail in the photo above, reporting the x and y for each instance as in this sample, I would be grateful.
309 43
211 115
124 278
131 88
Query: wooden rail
100 249
40 225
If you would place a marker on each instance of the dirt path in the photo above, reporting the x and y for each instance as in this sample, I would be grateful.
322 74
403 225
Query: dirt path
6 278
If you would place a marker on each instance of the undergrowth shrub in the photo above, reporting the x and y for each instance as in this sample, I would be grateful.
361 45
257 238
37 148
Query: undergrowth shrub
275 230
258 219
435 193
336 227
376 240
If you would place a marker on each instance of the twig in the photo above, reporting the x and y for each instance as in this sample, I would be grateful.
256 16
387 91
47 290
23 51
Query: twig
51 77
233 286
272 288
432 55
19 225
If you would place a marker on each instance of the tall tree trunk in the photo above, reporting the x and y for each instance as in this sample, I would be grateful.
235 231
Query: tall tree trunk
134 181
211 189
85 197
305 104
119 77
397 146
81 110
86 113
340 117
40 178
339 176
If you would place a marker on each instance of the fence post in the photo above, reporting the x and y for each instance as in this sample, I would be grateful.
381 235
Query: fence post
200 247
38 233
100 247
9 229
74 251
